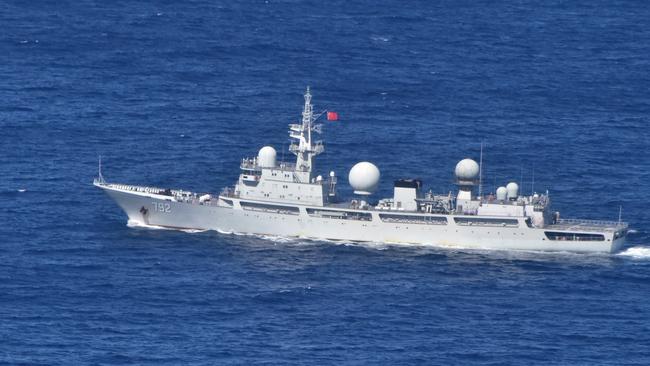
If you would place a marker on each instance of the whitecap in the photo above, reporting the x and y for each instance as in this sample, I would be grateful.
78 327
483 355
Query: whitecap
380 38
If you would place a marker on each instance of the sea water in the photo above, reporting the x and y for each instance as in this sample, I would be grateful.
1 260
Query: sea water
174 94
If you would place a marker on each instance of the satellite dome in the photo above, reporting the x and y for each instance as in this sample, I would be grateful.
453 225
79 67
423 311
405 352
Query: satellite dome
364 178
502 193
266 157
513 190
467 170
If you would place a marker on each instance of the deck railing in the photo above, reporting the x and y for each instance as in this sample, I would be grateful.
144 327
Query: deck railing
593 223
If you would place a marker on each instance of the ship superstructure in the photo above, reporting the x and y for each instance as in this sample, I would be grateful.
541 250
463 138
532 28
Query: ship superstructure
272 197
262 178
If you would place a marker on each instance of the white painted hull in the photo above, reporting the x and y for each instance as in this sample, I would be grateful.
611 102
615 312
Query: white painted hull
161 211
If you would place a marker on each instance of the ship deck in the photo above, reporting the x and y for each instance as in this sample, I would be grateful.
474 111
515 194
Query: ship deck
587 225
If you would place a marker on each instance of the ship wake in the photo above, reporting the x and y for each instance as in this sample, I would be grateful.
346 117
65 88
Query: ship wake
141 225
639 252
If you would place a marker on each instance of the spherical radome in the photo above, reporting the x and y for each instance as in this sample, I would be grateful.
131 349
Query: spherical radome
364 178
467 169
266 157
502 193
513 189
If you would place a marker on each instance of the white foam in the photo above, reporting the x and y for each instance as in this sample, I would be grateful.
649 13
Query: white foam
22 190
273 238
380 38
138 224
636 253
193 231
142 225
277 239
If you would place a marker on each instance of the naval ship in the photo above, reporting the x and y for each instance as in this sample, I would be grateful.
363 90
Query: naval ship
289 199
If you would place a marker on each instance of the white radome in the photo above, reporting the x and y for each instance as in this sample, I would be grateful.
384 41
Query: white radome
467 170
502 193
513 190
266 157
364 178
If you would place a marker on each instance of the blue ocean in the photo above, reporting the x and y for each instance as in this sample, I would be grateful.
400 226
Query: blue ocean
173 94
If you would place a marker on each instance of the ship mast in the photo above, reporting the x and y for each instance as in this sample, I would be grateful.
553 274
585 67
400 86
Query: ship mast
303 147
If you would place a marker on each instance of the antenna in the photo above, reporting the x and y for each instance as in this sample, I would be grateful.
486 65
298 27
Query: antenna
521 179
99 170
480 173
620 213
532 184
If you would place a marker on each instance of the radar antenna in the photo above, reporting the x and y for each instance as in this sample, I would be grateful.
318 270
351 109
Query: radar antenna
532 184
303 147
480 173
100 177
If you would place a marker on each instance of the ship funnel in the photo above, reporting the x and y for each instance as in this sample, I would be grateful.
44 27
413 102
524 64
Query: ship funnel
513 190
502 193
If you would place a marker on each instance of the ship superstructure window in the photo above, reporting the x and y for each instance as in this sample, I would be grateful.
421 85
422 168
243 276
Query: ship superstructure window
263 207
413 219
556 235
226 203
479 221
341 215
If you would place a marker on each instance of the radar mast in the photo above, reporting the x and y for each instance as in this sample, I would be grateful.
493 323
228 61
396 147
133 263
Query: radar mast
303 147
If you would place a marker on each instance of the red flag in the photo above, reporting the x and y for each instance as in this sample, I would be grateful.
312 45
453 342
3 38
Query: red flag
332 116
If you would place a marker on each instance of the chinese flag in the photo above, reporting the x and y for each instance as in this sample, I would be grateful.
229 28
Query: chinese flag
332 116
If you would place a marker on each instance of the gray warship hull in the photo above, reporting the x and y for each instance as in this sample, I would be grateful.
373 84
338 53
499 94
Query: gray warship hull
227 214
